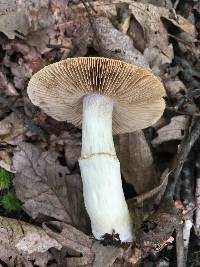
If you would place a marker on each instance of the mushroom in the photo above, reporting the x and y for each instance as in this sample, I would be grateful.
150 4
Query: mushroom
104 96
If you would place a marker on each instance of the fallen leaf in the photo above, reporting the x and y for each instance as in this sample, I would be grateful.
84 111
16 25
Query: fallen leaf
71 144
149 18
72 153
12 22
175 87
156 58
77 243
82 250
7 6
136 161
12 130
5 160
180 22
111 41
105 256
47 188
21 242
6 87
24 17
21 72
136 256
173 131
167 3
125 17
158 228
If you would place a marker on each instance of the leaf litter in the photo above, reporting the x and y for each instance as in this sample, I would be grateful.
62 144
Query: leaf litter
43 154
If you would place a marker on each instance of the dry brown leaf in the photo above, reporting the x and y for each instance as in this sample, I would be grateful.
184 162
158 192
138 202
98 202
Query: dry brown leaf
47 188
146 23
161 3
83 250
158 227
12 130
19 18
72 146
173 131
105 256
156 58
14 21
21 243
125 17
175 87
72 153
137 161
182 23
78 245
6 87
20 70
23 17
112 40
5 160
149 18
146 29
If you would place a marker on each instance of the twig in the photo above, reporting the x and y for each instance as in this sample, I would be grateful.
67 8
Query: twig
168 217
185 147
173 109
141 198
57 46
180 258
176 4
185 104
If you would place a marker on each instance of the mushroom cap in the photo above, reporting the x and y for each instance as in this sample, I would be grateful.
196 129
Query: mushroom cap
59 88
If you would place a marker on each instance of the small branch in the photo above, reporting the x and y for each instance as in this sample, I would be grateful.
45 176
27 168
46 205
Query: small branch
141 198
176 4
185 147
58 46
173 109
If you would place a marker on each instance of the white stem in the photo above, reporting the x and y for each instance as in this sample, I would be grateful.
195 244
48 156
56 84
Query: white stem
100 171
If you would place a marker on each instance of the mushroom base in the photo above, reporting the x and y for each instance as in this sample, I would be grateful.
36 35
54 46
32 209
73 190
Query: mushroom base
104 197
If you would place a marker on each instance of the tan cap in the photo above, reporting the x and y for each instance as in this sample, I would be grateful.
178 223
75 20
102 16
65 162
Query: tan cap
59 88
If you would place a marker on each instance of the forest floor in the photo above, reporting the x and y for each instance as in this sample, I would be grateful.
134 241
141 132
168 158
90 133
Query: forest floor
43 219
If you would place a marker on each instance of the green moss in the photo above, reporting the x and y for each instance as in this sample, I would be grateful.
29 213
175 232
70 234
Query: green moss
8 198
5 179
10 202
